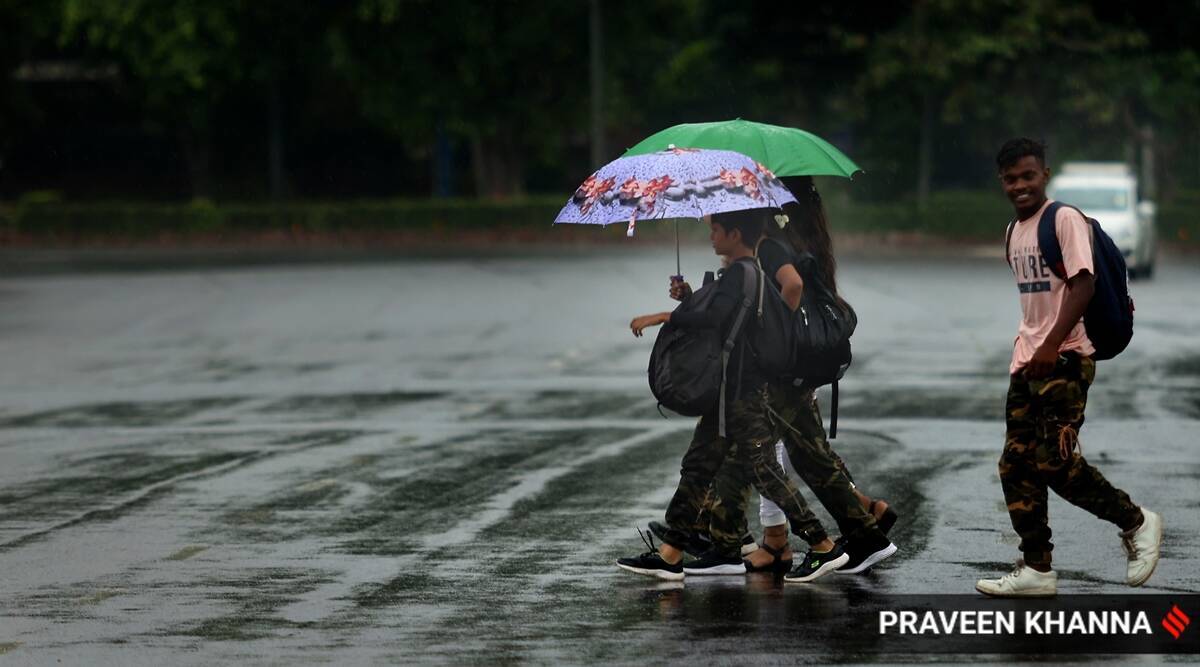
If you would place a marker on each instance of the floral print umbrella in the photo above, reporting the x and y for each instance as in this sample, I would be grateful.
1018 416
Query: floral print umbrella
672 184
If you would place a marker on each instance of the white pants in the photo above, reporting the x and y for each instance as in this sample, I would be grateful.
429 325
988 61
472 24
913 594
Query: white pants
769 513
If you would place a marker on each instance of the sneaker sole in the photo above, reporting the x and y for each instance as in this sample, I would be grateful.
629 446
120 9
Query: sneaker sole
873 559
660 574
826 568
740 568
1156 559
1042 593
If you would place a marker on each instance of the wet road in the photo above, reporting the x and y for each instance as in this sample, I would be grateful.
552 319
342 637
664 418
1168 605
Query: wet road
439 459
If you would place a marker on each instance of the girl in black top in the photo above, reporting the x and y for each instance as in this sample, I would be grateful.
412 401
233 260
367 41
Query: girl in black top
804 230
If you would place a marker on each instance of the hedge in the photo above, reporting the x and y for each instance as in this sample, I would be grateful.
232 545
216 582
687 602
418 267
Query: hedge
966 215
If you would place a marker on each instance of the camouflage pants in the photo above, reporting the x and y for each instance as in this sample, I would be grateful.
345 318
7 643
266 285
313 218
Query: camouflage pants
746 455
1043 420
821 469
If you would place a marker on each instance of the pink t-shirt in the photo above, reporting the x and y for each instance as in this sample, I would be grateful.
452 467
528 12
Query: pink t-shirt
1042 293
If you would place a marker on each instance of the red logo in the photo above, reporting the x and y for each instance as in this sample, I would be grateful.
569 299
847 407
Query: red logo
1175 622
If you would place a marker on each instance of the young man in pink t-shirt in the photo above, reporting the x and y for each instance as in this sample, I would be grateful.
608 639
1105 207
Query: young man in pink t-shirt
1050 372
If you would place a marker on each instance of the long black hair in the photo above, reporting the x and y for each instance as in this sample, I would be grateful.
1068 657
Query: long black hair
807 229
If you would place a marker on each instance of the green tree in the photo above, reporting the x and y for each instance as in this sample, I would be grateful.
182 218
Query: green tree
180 56
977 71
28 28
508 79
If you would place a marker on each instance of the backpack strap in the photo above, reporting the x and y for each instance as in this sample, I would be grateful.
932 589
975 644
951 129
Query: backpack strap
760 279
1008 242
1048 244
727 348
833 412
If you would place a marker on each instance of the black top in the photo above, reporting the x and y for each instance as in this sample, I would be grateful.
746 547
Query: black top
742 374
774 255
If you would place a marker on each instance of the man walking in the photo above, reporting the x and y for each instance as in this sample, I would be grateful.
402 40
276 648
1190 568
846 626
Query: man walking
1050 373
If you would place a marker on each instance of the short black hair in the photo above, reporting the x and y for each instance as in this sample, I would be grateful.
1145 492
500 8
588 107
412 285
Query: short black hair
1015 149
752 223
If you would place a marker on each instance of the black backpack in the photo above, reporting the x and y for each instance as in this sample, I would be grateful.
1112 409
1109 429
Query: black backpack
823 326
771 336
1108 319
811 346
687 367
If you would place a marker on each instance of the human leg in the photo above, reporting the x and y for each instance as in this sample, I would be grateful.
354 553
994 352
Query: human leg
1062 400
1026 497
700 463
754 434
1025 490
698 468
816 464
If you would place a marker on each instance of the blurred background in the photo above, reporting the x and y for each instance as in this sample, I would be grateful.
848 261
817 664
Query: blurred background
176 119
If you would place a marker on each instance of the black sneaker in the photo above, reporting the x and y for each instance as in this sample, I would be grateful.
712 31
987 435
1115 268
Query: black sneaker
816 565
866 553
715 563
697 545
651 563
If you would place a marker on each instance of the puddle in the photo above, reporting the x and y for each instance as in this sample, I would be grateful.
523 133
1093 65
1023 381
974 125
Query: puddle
98 480
981 404
118 414
100 596
258 594
186 553
404 589
570 405
1183 366
344 406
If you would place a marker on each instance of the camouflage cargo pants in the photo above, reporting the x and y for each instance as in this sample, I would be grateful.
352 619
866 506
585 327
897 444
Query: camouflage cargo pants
747 455
1043 420
821 469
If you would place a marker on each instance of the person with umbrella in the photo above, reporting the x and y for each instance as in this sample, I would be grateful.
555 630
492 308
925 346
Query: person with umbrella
747 452
816 463
798 154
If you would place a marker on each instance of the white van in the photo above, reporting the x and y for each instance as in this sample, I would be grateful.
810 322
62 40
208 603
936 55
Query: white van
1108 192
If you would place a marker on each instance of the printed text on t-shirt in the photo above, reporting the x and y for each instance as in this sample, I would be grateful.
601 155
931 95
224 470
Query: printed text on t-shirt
1031 270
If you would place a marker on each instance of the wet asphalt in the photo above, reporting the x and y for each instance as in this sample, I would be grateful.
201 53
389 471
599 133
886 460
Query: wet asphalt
438 460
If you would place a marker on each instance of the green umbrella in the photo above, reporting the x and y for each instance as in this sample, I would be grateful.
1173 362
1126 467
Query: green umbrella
786 151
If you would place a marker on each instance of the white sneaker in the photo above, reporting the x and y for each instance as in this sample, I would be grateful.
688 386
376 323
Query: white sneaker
1022 582
1141 546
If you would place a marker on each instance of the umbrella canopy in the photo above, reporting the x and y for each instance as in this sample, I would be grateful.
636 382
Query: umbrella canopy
675 183
786 151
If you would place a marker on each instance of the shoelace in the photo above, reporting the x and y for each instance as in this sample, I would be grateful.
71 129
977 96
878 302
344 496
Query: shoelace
1016 570
1130 547
648 540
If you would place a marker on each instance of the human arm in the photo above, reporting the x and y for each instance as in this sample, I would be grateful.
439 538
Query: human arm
774 255
1080 289
1074 234
640 323
791 285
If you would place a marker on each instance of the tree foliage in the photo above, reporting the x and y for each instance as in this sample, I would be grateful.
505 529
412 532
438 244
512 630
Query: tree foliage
920 93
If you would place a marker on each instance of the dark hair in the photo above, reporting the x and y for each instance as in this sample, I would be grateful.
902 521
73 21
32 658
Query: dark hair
751 223
807 230
1015 149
